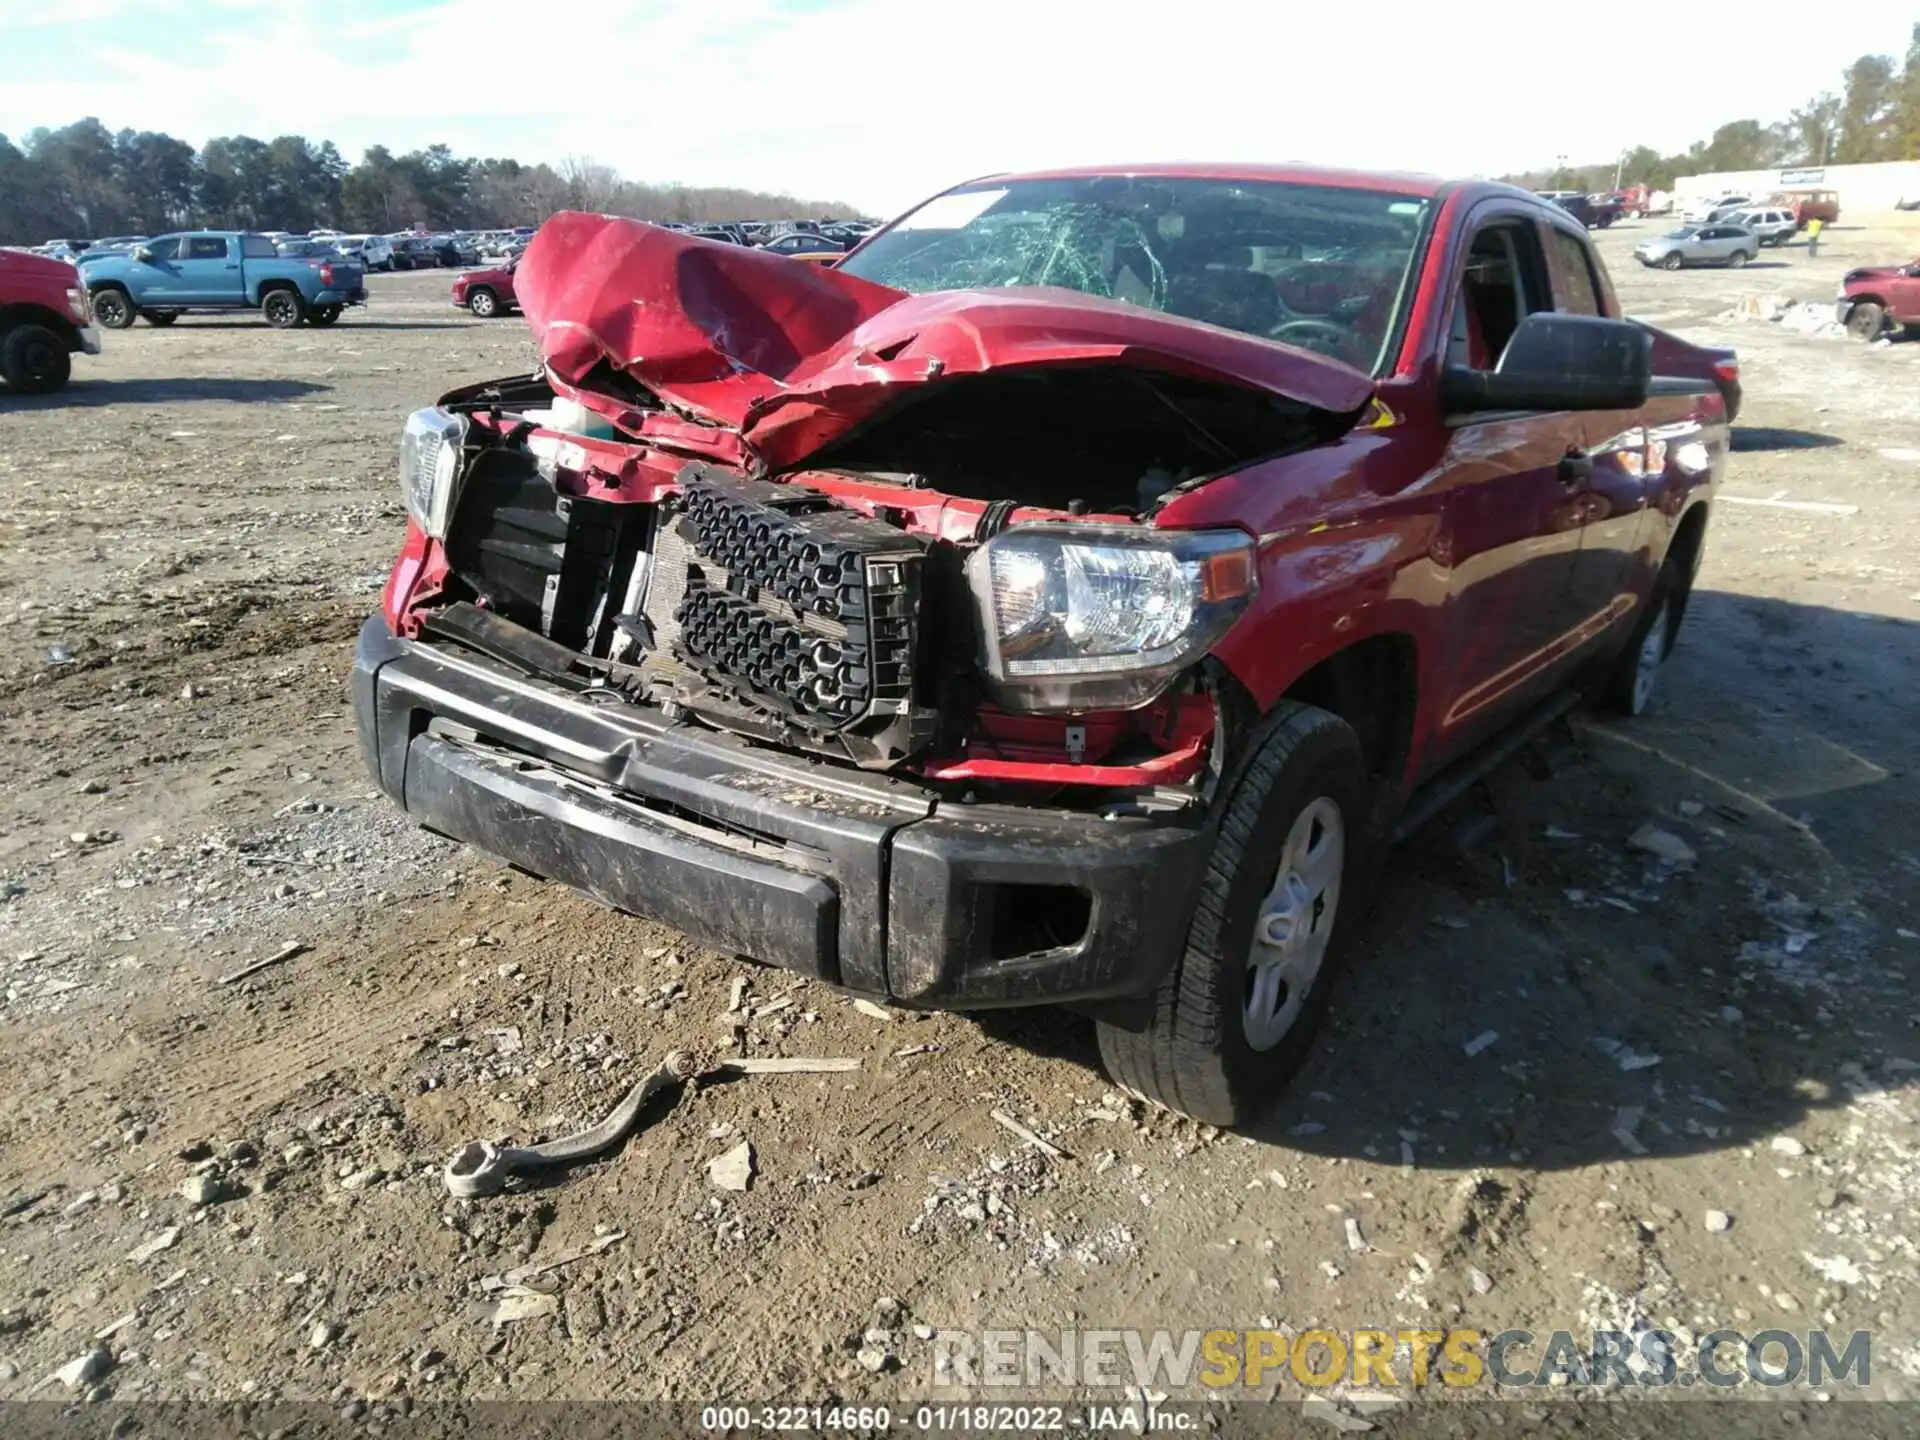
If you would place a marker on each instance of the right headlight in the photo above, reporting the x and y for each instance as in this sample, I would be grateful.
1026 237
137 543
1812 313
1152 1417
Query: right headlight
431 446
1103 617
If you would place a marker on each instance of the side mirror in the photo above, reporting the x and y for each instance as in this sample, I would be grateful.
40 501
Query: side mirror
143 254
1559 362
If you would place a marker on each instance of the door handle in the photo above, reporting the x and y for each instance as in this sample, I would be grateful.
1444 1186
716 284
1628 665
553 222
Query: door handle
1575 469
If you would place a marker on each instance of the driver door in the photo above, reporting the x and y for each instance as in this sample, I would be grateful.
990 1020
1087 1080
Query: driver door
209 269
1510 500
158 278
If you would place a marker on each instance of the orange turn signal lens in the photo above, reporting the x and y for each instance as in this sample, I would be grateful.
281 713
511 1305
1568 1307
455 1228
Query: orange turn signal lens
1227 575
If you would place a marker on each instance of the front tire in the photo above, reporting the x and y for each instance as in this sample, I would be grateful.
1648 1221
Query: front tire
160 318
1671 262
34 360
1276 908
112 308
483 303
282 309
1738 259
1866 320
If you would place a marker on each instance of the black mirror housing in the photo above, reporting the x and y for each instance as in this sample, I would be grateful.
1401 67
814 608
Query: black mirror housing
1559 362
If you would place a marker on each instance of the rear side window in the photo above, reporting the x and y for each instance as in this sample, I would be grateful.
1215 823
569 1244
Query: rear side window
256 247
206 247
1580 296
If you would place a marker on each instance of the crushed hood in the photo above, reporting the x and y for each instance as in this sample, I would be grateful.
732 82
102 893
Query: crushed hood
791 357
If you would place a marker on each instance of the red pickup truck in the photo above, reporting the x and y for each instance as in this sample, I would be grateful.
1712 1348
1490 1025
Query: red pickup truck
1065 599
1876 298
44 319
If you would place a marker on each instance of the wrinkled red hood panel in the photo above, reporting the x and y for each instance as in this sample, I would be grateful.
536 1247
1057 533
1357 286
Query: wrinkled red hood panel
793 356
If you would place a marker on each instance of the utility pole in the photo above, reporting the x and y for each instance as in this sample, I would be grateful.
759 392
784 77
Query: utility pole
1619 169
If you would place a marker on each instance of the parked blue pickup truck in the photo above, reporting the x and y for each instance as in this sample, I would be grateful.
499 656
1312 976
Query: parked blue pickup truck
164 277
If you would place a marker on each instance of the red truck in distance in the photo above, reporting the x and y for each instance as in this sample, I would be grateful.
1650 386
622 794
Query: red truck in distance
1063 600
1877 298
44 321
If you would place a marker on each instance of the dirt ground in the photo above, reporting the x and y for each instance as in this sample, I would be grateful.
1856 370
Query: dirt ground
189 539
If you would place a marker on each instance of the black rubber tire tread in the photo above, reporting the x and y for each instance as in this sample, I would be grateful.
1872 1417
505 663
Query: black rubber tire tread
1616 691
267 301
160 318
1185 1059
34 360
120 297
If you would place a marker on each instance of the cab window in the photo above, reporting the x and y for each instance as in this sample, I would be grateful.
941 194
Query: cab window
1578 293
1505 280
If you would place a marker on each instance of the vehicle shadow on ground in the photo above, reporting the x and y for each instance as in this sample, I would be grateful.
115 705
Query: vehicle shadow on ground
1616 1006
1746 438
161 391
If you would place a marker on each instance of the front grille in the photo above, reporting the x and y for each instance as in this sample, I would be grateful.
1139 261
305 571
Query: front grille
794 608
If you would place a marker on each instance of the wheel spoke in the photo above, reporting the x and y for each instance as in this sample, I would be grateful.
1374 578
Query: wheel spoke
1268 983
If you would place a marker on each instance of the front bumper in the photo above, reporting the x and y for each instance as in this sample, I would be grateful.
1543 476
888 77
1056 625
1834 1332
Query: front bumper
863 880
89 340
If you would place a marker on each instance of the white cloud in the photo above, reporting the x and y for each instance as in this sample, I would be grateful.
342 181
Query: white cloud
880 102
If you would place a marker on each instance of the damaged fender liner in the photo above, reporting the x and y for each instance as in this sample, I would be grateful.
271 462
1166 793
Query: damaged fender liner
853 878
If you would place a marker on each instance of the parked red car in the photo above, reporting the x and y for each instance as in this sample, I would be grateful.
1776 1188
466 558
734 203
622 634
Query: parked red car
1064 599
1878 297
487 293
44 320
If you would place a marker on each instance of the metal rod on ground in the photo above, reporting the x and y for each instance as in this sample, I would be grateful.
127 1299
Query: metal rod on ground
284 953
1045 1147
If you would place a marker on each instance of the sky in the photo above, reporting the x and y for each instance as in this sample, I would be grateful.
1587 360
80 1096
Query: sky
880 103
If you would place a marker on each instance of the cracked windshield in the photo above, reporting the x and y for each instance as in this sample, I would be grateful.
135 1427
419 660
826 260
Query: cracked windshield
1310 265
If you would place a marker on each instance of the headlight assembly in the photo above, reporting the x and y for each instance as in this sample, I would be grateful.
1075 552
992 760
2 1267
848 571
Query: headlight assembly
431 446
1103 617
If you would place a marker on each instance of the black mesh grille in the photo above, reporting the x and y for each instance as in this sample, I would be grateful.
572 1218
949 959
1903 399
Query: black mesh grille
796 606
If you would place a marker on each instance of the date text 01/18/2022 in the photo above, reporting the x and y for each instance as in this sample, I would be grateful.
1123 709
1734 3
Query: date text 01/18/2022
939 1419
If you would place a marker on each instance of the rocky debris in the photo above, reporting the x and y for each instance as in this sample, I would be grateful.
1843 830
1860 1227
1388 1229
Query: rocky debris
1480 1041
1663 845
876 1350
323 1334
872 1011
85 1369
1787 1145
208 1187
1804 317
1481 1282
1719 1222
522 1304
734 1169
147 1249
1356 1242
1837 1268
1626 1129
586 1313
